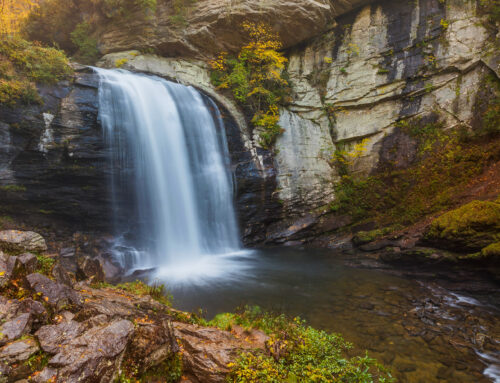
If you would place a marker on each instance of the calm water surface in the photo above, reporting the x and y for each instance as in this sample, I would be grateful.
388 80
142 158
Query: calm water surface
424 330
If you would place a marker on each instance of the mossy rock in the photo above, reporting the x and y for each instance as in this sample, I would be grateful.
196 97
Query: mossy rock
363 237
491 251
469 228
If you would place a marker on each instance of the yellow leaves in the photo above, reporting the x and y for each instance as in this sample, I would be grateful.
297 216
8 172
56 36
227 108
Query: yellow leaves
2 273
13 13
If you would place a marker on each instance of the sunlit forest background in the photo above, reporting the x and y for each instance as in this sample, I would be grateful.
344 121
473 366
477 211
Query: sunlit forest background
13 13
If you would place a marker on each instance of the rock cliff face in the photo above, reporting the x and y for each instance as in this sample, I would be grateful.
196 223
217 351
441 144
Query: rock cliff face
388 61
206 27
356 70
53 159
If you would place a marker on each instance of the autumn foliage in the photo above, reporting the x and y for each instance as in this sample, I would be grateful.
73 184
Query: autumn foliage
13 13
255 78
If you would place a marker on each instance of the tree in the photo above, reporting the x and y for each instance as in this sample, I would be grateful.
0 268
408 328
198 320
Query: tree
256 78
13 13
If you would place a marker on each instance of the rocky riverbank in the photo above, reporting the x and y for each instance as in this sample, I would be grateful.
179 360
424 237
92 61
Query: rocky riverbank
60 323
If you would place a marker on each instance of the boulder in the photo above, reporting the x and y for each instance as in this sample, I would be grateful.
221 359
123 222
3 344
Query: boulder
61 275
93 356
90 269
52 338
14 357
212 26
16 241
54 293
469 228
18 351
15 328
29 262
207 351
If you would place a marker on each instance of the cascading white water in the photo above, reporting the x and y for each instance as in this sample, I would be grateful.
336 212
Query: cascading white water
170 154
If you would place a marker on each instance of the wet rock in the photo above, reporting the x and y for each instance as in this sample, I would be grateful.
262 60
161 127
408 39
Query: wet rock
29 262
91 270
19 241
206 352
53 337
93 355
54 293
111 271
15 328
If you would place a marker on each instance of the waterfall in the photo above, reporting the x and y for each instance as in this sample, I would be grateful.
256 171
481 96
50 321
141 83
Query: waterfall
171 183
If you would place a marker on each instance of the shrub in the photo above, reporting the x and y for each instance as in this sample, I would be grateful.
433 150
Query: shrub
297 353
22 64
256 79
38 64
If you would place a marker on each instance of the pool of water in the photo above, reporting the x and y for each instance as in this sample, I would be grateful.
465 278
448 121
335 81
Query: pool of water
425 330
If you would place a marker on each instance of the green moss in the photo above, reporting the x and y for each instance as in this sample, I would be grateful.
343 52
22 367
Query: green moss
169 371
13 188
444 166
492 9
45 265
37 361
156 291
472 226
491 251
363 237
298 353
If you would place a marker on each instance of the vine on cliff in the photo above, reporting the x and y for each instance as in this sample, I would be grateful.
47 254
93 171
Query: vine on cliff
256 79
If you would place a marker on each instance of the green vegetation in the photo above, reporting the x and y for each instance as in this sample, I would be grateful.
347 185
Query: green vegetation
296 353
13 188
157 291
256 79
492 9
471 227
446 161
65 23
87 46
45 265
491 251
181 8
37 361
363 237
22 65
